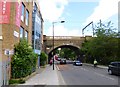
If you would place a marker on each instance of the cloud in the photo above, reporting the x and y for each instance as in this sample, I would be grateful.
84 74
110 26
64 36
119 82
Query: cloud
60 30
83 0
52 9
103 11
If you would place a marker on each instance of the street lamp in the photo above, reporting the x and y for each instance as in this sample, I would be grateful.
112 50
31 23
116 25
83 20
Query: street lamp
53 38
59 50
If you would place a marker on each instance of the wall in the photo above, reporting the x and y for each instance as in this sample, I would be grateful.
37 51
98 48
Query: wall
0 55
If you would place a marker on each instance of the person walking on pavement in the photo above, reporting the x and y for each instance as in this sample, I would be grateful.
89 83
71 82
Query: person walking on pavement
95 63
51 61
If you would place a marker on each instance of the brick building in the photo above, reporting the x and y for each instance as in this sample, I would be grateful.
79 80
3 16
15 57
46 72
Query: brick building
15 23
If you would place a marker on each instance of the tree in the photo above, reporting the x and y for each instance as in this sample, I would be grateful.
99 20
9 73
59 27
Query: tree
68 53
104 46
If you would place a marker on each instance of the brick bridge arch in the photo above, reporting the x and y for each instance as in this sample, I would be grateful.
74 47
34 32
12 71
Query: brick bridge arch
74 48
63 45
73 42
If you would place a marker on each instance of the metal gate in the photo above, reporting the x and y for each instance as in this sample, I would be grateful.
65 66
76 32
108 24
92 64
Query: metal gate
5 73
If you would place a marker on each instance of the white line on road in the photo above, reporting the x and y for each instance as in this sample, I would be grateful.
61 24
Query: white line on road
99 74
84 69
57 67
104 76
60 77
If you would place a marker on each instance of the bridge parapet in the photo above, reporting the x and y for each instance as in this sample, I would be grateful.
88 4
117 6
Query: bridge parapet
64 37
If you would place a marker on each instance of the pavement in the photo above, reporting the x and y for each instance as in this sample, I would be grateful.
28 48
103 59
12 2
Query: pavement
48 76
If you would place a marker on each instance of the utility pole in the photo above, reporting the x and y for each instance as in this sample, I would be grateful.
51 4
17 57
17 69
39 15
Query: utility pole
87 26
100 23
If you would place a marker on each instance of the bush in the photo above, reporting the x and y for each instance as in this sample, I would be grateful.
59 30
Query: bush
23 61
43 59
16 81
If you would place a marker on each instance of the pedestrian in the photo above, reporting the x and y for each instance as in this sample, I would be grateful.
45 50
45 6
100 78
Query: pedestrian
51 61
95 63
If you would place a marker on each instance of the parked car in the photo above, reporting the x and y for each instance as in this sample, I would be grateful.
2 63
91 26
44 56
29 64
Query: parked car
63 61
114 68
77 63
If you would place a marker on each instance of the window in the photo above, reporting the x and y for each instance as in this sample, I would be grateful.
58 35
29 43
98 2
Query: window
27 17
26 35
32 32
21 32
118 64
22 14
37 44
35 7
114 64
37 34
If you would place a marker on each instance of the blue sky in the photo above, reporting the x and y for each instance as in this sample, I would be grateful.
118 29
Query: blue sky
76 14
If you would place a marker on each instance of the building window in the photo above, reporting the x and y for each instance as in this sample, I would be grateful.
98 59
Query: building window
23 11
21 32
37 43
27 17
37 34
26 35
35 7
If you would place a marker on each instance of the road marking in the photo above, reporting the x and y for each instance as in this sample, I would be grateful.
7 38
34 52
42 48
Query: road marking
104 76
84 69
63 67
61 79
57 68
99 74
80 68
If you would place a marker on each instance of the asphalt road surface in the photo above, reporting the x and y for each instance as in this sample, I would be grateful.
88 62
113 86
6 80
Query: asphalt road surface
86 75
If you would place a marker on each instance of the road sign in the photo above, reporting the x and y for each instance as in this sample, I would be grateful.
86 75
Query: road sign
6 51
9 52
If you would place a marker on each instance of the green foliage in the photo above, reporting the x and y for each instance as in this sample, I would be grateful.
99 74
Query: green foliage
67 53
16 81
103 47
43 59
24 60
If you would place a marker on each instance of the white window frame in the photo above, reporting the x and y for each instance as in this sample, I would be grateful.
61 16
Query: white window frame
21 32
26 35
27 17
23 12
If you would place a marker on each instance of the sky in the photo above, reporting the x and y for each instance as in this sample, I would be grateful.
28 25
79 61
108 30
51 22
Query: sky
76 14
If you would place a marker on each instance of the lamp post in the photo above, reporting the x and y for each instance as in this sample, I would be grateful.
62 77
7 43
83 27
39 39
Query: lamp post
59 50
53 38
